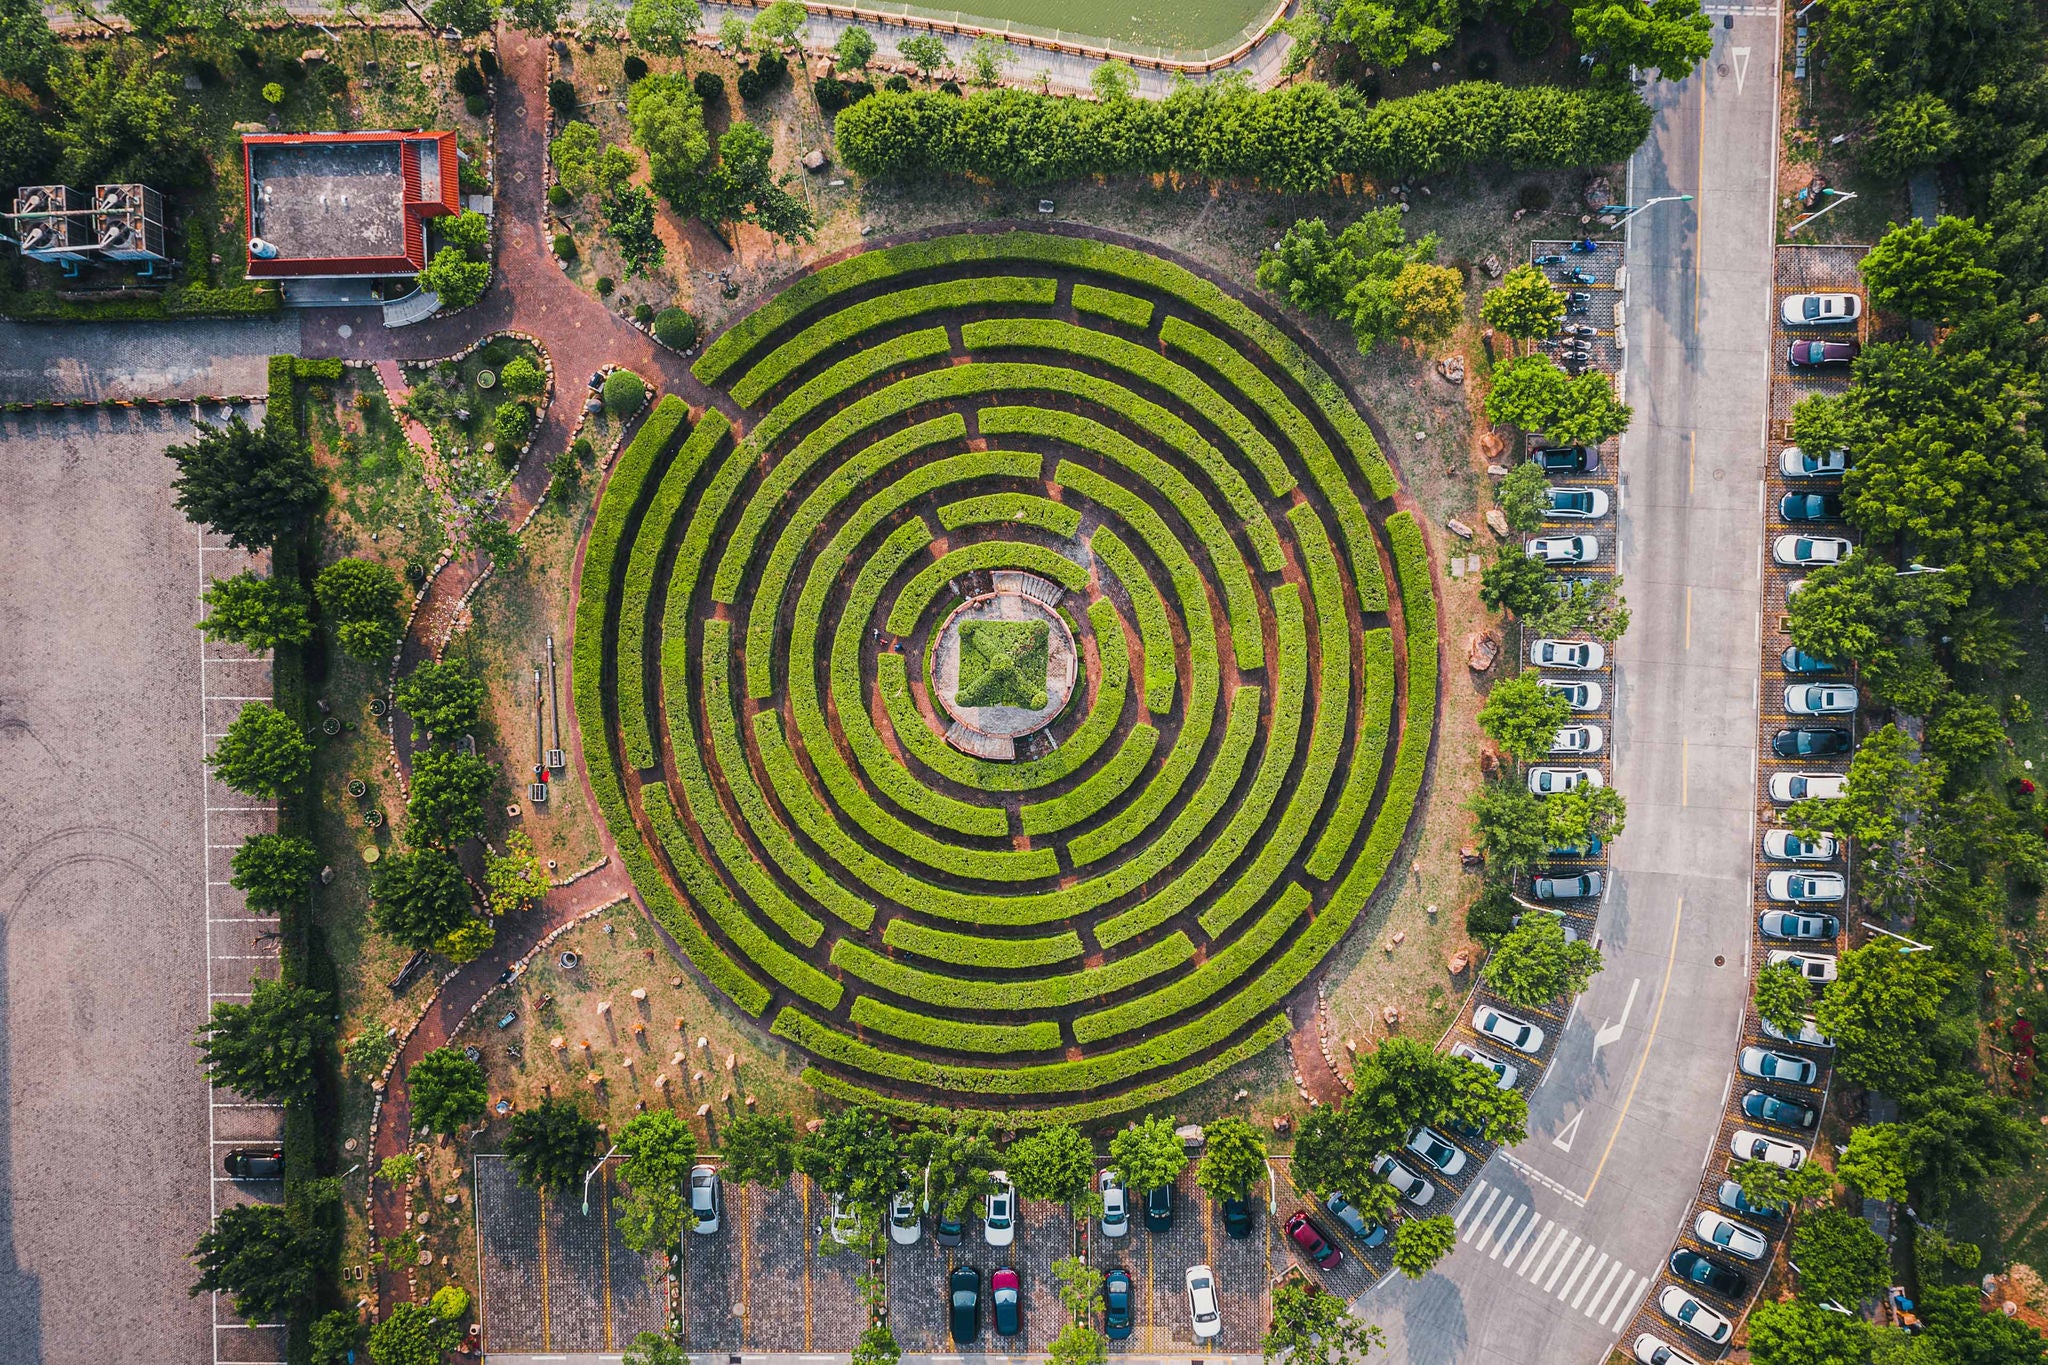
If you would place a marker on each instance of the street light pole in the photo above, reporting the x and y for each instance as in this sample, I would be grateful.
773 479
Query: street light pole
1841 197
1912 569
593 1171
1913 945
1660 199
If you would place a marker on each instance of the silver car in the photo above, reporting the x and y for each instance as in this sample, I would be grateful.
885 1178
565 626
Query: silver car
1821 699
1719 1230
1805 888
1786 788
1564 549
1584 655
1581 504
1555 781
1820 310
1795 463
1817 968
1766 1065
1116 1205
1787 847
1580 887
1580 696
1578 739
707 1200
1802 551
1518 1034
1406 1183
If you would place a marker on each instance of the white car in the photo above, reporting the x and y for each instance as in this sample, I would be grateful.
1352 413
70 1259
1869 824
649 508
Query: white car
1406 1183
1552 781
999 1211
1695 1317
1202 1309
1578 504
1802 551
1519 1034
1506 1072
1116 1205
1564 549
707 1201
905 1227
1578 739
1790 787
1821 699
1787 847
1748 1146
1650 1350
1817 968
1582 655
1435 1152
1805 888
1739 1239
1820 310
1795 463
1766 1065
1580 696
1809 1033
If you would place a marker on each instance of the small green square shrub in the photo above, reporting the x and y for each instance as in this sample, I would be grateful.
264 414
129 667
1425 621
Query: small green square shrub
1002 663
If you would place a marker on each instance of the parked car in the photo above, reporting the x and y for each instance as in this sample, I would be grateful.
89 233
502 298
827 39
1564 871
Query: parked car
255 1163
1719 1230
1789 787
1406 1183
1765 1107
707 1199
905 1226
1582 504
1518 1034
1552 781
1367 1230
1159 1208
1817 968
1795 463
1820 310
1582 655
1800 552
1716 1277
1748 1146
1590 849
1580 696
1116 1206
1583 886
1821 699
1003 1296
1805 888
1810 507
1688 1312
1505 1072
1650 1350
1766 1065
1571 935
1116 1304
1302 1231
1812 742
842 1224
999 1211
1787 847
1203 1312
1731 1196
1795 925
1567 459
1809 1033
1797 660
963 1286
1439 1155
1564 549
1237 1219
1578 739
1815 355
949 1232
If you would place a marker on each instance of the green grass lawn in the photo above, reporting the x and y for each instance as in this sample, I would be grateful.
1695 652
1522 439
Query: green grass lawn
1187 27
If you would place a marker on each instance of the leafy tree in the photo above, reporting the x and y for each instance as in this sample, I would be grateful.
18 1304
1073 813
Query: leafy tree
122 120
361 599
667 119
263 753
1514 583
854 50
1783 999
467 17
1527 392
1875 1162
1078 1344
1523 497
28 153
1965 731
334 1337
1575 818
537 16
1334 1152
660 1149
1534 964
1473 1096
467 941
854 1153
877 1346
413 1335
1590 412
1419 1243
1078 1286
760 1149
1769 1185
574 152
418 897
1840 1258
454 278
471 232
253 486
1112 81
1513 827
1965 1334
1233 1158
1908 135
269 1048
1390 33
1940 273
521 378
263 1257
1312 1326
1429 301
552 1145
742 188
446 1090
1147 1154
1887 793
956 1157
624 392
629 221
1861 612
733 38
1673 36
1594 608
664 25
1959 1135
1523 716
273 870
1800 1332
516 878
399 1169
780 26
1523 304
1356 277
449 790
987 58
925 51
450 1301
446 698
256 612
1055 1163
28 49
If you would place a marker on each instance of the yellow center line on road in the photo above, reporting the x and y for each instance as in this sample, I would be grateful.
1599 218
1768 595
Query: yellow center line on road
1692 460
1663 993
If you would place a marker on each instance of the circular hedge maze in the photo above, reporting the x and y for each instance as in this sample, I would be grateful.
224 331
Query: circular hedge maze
1069 914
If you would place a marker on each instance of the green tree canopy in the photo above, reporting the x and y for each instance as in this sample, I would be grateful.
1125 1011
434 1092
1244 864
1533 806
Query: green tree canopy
1888 792
1524 304
449 791
1940 273
1078 1344
253 486
987 56
742 187
660 1149
467 17
575 151
413 1335
446 698
256 612
552 1145
1770 1185
419 897
1527 393
1577 817
1079 1286
446 1090
1429 301
1909 135
537 16
1592 607
663 25
264 753
360 599
268 1048
516 878
1875 1162
1419 1243
1355 276
1783 997
262 1256
1514 583
925 51
1311 1326
1055 1163
1534 965
667 119
1513 827
1674 36
1959 1135
854 50
760 1149
123 120
1523 497
28 49
955 1159
273 871
781 25
1840 1258
455 279
1147 1154
854 1153
1523 716
1800 1332
877 1346
1233 1158
472 232
1862 612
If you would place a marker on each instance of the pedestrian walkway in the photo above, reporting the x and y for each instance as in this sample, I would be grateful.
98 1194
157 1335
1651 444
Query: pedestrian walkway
1548 1255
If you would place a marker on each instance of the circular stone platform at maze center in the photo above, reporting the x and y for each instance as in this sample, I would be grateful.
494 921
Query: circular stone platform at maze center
1010 649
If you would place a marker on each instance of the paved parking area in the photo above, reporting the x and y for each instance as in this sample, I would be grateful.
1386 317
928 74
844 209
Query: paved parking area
555 1280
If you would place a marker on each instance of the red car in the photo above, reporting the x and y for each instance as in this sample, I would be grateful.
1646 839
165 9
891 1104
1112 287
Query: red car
1804 355
1312 1242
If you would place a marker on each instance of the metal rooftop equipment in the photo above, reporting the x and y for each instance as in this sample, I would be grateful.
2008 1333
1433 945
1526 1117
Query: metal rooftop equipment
52 223
128 224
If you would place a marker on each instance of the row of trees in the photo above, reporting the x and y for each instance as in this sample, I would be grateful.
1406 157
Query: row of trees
1670 35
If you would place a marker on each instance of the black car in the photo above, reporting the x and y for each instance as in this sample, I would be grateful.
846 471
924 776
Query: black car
1237 1219
1716 1276
255 1163
1159 1208
1811 743
1116 1304
1764 1106
1567 459
949 1232
1810 507
964 1286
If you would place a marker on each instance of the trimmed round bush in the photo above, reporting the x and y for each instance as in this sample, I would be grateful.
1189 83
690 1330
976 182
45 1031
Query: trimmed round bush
565 246
636 67
559 196
674 327
709 86
562 96
624 392
512 425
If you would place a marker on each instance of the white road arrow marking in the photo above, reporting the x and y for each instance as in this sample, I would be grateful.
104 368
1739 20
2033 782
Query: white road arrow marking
1612 1032
1563 1141
1741 55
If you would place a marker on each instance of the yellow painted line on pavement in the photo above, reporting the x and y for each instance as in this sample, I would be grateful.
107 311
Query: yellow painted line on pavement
1663 993
1692 460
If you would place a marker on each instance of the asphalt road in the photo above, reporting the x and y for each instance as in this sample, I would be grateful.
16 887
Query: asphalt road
1561 1238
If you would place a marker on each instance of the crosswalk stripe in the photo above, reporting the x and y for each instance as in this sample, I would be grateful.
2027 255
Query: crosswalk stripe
1548 1230
1551 1255
1587 1285
1578 1269
1480 1217
1508 1235
1601 1292
1620 1292
1487 1235
1471 1201
1634 1299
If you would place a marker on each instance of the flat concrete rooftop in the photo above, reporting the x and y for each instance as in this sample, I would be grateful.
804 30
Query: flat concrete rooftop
328 201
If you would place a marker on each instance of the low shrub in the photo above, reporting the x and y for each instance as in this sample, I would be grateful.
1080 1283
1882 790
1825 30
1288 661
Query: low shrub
954 1035
1098 790
1017 997
562 97
636 67
1013 509
1155 634
1132 312
624 392
709 85
675 328
565 246
979 950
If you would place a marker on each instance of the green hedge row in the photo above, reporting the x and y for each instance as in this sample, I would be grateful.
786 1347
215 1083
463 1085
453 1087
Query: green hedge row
954 1035
630 689
1221 969
1375 721
1148 604
842 483
1022 509
1124 308
848 323
828 386
1014 997
1098 789
1065 338
1210 796
982 554
979 950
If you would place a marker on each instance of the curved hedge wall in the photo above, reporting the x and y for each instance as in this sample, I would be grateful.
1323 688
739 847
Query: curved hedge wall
1121 910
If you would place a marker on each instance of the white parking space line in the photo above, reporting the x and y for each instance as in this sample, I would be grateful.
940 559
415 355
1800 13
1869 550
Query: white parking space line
1612 1270
1507 1236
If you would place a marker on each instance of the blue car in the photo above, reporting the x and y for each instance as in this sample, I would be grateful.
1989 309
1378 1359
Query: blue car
1116 1304
1797 660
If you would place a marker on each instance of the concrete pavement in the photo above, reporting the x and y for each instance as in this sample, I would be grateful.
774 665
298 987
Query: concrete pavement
1620 1126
